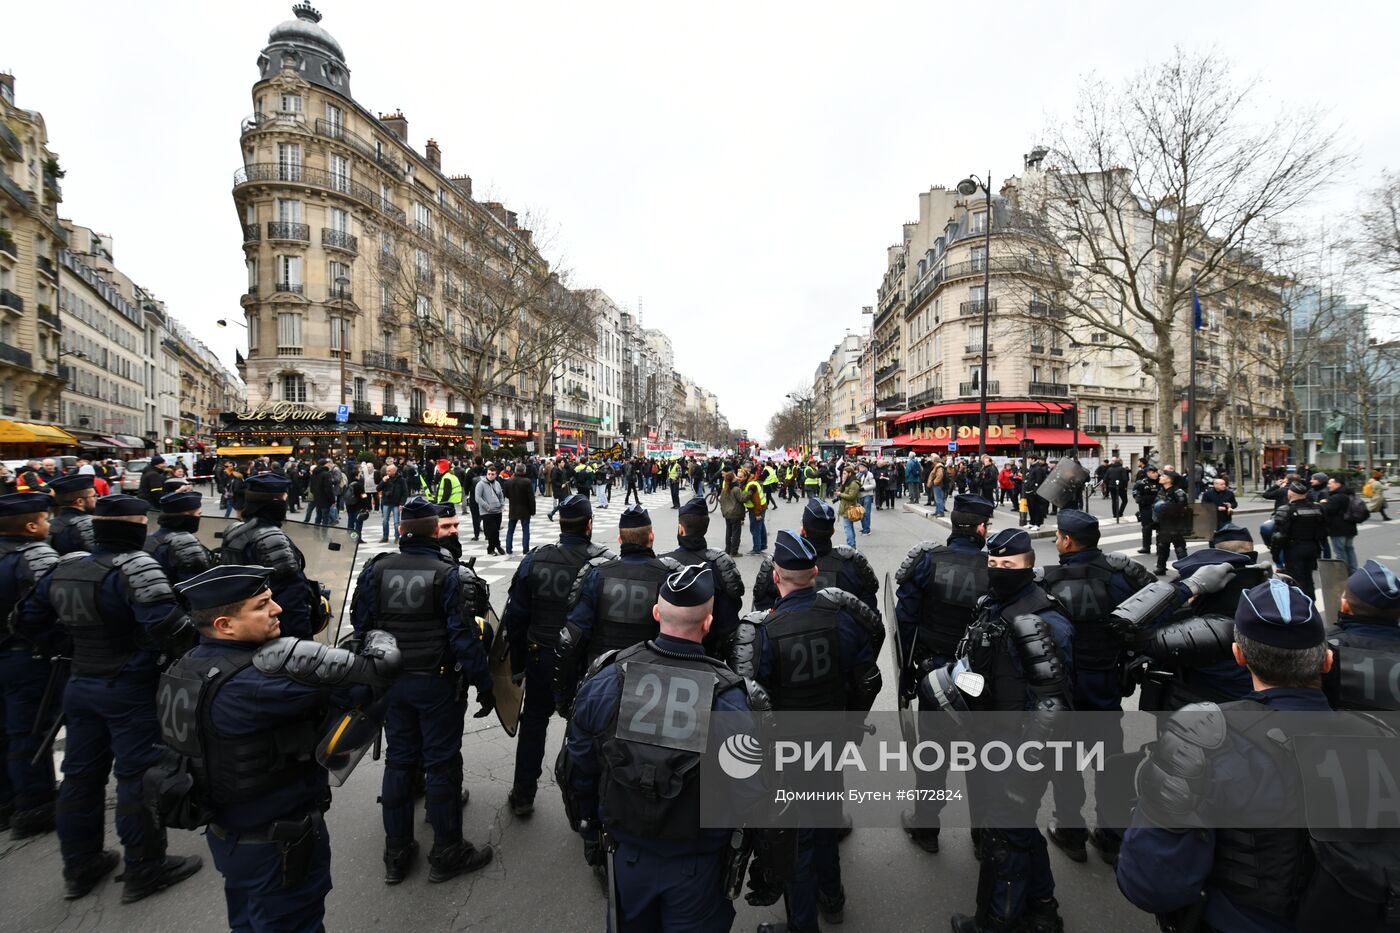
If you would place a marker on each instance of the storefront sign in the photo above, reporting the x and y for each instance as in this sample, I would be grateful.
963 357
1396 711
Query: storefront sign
394 419
945 433
282 411
514 432
438 418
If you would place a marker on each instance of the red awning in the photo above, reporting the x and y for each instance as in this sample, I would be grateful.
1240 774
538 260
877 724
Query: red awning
970 408
917 444
1058 437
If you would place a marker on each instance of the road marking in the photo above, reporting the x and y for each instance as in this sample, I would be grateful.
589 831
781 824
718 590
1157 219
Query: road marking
1386 557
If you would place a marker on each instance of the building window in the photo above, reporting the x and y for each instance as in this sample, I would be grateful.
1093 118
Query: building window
293 387
335 118
340 172
291 103
1093 414
289 162
977 294
422 306
252 265
289 334
289 273
335 271
288 211
340 220
979 257
340 334
359 389
978 222
252 335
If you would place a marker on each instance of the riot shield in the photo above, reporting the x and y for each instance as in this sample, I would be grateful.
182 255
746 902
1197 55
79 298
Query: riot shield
897 665
510 696
1331 583
1203 519
1064 487
350 736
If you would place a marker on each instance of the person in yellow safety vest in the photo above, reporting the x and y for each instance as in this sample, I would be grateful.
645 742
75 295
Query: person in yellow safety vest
755 503
449 487
789 481
770 482
673 478
811 481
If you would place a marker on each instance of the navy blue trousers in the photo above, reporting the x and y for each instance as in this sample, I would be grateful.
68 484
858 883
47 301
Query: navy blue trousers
1094 691
22 683
534 718
671 893
423 729
258 899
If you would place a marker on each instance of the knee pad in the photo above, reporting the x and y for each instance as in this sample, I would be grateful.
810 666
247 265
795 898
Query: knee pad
449 771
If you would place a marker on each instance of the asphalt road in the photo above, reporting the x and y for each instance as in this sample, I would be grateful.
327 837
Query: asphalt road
538 880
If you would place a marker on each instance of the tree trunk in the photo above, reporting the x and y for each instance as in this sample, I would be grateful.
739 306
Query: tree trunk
1168 438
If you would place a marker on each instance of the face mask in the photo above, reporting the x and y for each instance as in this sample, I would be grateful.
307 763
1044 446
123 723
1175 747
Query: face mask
119 536
1006 583
452 545
188 523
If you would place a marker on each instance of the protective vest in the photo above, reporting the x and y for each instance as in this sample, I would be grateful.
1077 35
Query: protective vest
410 591
807 657
956 581
989 650
227 770
253 542
626 593
101 644
652 753
449 489
770 476
1306 522
553 569
810 477
71 531
748 494
829 567
1083 590
1367 671
179 553
36 558
675 473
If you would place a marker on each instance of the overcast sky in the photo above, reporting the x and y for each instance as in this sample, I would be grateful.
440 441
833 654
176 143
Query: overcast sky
738 168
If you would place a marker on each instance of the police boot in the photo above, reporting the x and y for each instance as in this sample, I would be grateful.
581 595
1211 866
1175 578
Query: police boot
1042 916
925 837
1107 844
522 801
398 859
33 822
832 906
1070 841
143 882
78 883
459 858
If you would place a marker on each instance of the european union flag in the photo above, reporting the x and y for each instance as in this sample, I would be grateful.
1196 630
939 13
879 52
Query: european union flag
1197 321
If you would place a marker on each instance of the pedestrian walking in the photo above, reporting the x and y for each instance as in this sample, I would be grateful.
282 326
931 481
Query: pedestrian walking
1341 520
850 506
755 503
731 506
393 493
867 495
1116 479
520 494
1173 514
490 502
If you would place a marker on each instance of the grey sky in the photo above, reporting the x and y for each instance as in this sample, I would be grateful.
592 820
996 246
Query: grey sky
740 167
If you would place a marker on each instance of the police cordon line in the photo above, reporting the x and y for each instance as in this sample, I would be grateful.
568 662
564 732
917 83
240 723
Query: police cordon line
221 710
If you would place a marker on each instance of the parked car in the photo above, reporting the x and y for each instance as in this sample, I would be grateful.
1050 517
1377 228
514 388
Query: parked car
131 479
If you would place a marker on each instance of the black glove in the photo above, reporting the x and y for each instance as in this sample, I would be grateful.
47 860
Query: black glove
763 891
487 699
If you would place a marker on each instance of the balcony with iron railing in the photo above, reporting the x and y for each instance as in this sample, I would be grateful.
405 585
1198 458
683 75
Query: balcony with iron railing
976 348
252 233
9 187
361 407
9 301
7 243
426 276
424 231
971 308
1048 389
1095 429
291 288
389 410
261 120
282 173
46 266
9 143
380 360
885 372
47 316
9 354
339 239
1045 309
894 402
52 185
926 398
280 230
337 131
974 390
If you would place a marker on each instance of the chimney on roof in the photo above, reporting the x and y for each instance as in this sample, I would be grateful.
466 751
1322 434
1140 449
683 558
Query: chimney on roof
396 124
434 154
7 81
463 184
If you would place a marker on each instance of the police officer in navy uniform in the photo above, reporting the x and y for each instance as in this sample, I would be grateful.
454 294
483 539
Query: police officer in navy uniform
1300 535
429 602
839 566
118 612
1021 643
667 872
1366 639
174 544
535 610
814 650
939 586
26 790
1089 584
244 712
694 521
258 540
610 603
1175 862
74 496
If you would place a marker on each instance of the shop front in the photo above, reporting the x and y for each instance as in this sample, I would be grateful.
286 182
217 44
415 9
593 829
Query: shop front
285 429
24 439
1014 429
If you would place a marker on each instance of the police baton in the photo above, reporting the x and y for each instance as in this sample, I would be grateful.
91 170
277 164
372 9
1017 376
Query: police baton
58 676
614 922
46 747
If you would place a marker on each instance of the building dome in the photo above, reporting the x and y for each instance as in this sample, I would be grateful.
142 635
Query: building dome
305 46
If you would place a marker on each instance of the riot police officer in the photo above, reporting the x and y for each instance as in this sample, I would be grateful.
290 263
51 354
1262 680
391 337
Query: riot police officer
1089 584
939 586
118 611
665 872
610 603
1300 533
429 602
1204 773
242 713
174 545
536 606
259 540
26 790
74 496
1145 490
694 521
839 566
1366 640
1172 512
1022 645
814 650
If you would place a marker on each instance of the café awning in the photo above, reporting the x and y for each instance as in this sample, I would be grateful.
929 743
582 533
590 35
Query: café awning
271 450
24 432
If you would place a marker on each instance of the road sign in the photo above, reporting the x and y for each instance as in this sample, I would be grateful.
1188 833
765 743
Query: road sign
495 443
952 447
342 413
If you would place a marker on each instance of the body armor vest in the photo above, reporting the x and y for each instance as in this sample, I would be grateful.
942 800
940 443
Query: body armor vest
228 770
1306 522
829 567
626 594
806 658
409 606
1368 670
552 573
244 542
1083 590
989 648
651 757
951 592
35 559
71 531
101 646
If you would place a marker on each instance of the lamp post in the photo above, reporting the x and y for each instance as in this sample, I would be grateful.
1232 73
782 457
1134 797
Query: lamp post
342 283
968 187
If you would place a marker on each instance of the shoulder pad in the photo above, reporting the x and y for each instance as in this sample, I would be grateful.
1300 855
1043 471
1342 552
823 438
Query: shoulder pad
729 577
272 657
851 603
845 552
275 550
83 526
597 550
1039 575
914 558
188 553
600 662
144 577
1201 724
70 557
671 563
576 590
1117 561
743 658
475 589
40 558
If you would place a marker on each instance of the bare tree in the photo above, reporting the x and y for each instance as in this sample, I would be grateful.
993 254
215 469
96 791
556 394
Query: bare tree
1159 185
1377 242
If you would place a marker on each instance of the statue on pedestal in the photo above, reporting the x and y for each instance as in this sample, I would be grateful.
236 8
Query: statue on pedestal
1332 432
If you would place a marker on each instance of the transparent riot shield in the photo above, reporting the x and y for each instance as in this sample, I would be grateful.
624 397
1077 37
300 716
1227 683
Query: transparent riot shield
1064 487
1331 583
510 696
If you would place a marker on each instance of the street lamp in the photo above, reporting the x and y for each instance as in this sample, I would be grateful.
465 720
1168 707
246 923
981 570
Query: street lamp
342 283
968 187
224 323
